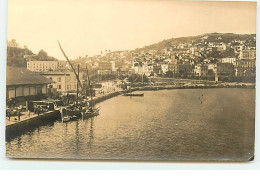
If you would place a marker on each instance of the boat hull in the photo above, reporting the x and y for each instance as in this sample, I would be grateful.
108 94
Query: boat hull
134 95
91 113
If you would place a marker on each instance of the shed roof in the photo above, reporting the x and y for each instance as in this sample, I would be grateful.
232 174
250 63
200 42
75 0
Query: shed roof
22 76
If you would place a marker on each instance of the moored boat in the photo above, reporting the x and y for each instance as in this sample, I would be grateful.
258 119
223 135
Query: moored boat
134 94
91 112
69 115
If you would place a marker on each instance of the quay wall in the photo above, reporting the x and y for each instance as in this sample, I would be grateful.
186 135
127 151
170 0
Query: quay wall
32 123
108 96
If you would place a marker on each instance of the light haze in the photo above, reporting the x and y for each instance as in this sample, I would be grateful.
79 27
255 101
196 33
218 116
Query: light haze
85 27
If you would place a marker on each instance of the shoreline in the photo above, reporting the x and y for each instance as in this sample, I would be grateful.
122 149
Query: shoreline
18 127
169 87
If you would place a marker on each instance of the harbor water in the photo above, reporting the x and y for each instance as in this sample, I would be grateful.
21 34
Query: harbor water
180 124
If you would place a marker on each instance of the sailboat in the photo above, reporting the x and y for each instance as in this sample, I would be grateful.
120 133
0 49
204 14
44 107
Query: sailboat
92 111
74 110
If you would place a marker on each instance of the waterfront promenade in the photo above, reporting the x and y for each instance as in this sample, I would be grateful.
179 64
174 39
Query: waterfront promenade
26 117
112 92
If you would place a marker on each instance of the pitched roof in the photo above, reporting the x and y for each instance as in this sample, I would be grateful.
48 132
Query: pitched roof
22 76
56 72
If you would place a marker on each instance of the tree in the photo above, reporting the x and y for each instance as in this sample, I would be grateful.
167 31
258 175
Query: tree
42 55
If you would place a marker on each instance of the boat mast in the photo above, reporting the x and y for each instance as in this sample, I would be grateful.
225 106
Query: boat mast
70 65
90 89
78 87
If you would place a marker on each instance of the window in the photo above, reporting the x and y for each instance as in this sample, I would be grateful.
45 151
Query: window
59 87
59 79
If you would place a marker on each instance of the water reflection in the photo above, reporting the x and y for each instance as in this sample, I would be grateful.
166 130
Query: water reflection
162 125
28 129
91 132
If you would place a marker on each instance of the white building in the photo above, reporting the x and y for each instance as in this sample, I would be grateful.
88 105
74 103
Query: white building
229 60
12 43
164 68
42 66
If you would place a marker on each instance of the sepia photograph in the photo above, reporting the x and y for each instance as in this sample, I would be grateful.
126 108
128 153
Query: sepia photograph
155 80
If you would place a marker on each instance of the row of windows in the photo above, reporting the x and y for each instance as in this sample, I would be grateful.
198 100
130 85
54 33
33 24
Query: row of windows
69 87
40 67
40 64
59 79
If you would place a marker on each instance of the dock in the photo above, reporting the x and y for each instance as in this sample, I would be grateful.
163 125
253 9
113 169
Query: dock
15 126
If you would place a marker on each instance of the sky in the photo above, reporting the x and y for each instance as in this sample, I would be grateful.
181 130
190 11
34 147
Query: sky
86 27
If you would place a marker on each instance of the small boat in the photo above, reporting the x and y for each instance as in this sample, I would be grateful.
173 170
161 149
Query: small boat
134 94
67 116
91 112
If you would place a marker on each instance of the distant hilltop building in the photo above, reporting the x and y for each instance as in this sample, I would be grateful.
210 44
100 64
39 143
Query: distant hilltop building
12 43
42 66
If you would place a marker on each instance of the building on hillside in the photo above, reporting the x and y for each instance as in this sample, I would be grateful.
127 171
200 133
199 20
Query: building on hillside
42 66
173 67
247 54
71 81
225 69
149 70
157 69
231 60
185 69
237 49
104 68
221 47
164 68
64 81
212 68
201 70
22 84
245 68
12 43
119 64
59 79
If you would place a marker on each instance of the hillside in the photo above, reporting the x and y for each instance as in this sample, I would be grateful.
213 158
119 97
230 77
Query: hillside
212 37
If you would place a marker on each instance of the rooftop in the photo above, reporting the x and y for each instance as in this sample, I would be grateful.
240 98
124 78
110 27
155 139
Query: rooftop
22 76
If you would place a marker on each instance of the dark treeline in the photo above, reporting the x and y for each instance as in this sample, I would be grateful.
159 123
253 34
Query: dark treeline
18 56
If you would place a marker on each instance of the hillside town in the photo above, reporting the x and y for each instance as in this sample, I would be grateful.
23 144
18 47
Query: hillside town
206 58
211 57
